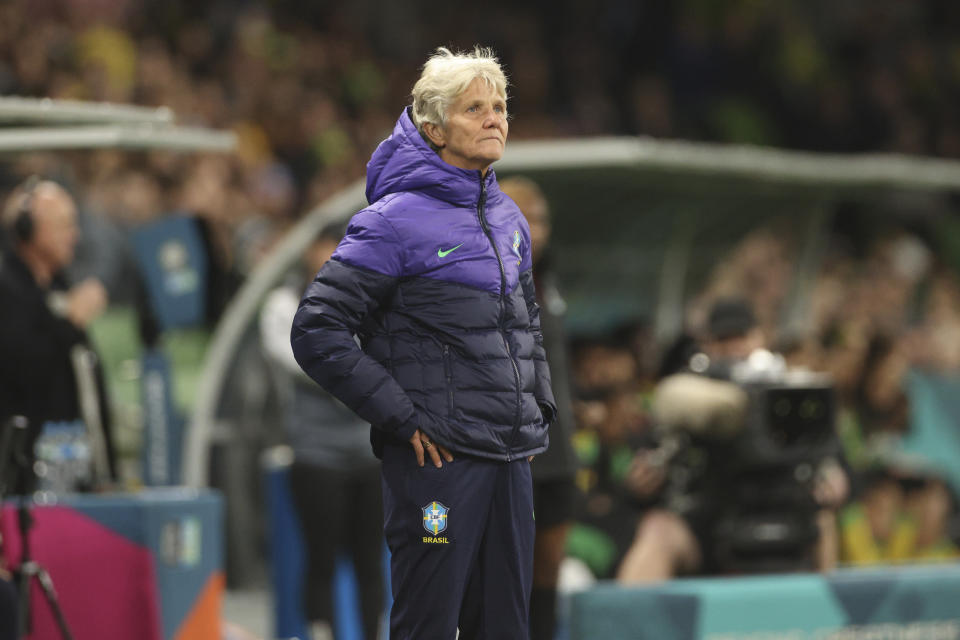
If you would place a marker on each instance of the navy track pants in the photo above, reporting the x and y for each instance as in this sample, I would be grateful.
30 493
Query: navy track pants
461 544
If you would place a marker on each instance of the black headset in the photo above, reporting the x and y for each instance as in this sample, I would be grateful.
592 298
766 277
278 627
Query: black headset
23 222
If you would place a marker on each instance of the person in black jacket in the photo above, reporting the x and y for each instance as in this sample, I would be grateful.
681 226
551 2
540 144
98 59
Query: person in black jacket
554 469
45 356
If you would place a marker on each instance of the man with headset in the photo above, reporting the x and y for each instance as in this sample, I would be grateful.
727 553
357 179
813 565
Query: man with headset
42 320
48 372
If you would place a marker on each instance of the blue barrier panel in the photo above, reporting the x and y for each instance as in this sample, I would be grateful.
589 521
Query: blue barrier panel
162 425
903 603
173 261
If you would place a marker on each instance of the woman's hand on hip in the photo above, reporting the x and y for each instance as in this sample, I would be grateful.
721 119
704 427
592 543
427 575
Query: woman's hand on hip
423 443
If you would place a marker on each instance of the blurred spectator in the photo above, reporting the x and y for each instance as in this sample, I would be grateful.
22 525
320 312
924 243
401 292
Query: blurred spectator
612 424
899 519
48 371
335 479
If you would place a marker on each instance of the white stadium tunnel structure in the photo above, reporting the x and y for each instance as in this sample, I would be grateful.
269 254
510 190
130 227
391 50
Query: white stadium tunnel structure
643 158
49 111
43 124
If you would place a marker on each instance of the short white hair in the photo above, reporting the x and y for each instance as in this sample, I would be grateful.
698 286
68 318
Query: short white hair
446 75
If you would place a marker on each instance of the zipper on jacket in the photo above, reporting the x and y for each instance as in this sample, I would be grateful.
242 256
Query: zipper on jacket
516 377
448 372
481 211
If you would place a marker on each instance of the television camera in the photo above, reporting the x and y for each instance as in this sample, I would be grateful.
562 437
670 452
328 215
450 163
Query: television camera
744 442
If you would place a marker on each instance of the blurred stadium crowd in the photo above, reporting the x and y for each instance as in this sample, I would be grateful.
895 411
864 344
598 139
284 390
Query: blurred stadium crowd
311 88
880 308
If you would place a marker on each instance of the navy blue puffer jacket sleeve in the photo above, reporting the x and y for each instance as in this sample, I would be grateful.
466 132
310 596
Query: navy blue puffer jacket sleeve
331 312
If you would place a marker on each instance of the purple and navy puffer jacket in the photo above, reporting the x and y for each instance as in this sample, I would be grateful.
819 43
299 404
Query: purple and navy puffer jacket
435 279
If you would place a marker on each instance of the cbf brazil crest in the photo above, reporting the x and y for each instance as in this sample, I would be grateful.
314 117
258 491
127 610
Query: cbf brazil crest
516 246
435 518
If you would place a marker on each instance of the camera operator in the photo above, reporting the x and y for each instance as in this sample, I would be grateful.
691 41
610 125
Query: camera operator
698 476
48 372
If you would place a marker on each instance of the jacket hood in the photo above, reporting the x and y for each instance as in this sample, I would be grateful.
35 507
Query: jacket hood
405 162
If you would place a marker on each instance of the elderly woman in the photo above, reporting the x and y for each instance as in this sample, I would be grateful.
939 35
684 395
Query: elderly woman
434 278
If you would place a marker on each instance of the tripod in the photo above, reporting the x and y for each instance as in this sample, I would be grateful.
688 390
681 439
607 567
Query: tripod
30 571
15 471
